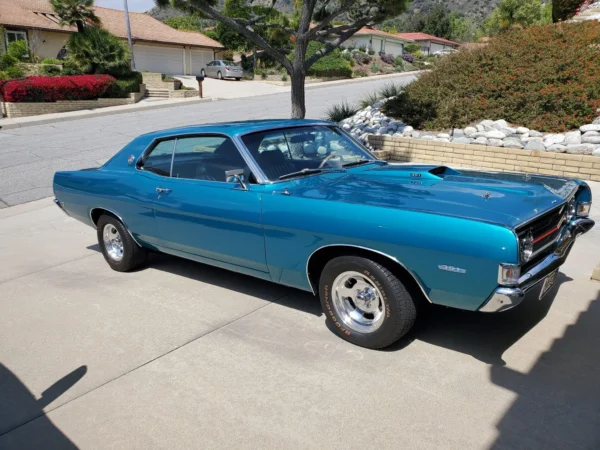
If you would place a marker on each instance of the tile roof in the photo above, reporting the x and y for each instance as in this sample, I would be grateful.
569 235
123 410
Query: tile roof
38 14
426 37
373 31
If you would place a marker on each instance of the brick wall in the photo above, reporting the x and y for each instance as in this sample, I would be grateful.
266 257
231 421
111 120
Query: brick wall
498 159
183 94
154 80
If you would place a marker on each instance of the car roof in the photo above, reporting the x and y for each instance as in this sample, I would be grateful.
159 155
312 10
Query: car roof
236 128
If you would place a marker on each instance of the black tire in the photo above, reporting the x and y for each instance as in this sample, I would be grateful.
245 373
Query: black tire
400 308
203 73
237 79
219 75
133 255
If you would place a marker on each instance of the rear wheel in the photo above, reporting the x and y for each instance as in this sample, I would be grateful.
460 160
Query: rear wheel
219 75
118 247
365 303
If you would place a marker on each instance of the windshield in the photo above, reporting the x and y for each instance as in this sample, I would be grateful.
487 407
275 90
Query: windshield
291 150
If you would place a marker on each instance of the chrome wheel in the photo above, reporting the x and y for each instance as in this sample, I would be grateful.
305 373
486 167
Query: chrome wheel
112 242
219 75
358 302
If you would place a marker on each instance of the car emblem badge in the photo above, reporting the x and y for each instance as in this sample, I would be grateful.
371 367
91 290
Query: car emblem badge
452 269
130 159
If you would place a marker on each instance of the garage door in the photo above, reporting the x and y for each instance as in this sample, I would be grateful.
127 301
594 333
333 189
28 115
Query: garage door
200 58
165 60
392 48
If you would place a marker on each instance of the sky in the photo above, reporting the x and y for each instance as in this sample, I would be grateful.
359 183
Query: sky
134 5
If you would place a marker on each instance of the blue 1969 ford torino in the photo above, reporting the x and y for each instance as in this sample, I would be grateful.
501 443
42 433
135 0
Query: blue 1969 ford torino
303 204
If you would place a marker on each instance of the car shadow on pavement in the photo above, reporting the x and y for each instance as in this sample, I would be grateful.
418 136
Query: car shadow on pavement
483 336
557 403
19 406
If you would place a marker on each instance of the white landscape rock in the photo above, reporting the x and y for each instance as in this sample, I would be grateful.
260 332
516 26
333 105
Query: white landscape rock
591 127
512 143
591 140
522 130
535 145
480 141
557 148
573 137
495 142
533 133
553 139
462 140
500 124
495 134
470 131
581 149
596 152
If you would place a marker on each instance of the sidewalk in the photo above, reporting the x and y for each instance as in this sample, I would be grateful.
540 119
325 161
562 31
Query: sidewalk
217 89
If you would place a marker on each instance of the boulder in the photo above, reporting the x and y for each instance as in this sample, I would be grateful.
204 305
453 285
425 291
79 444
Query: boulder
532 139
479 127
591 127
479 134
596 122
462 140
480 141
533 133
596 152
535 145
591 133
591 140
416 134
408 129
457 132
512 143
553 139
557 148
441 139
581 149
443 135
495 134
500 124
573 137
495 142
487 123
428 137
522 130
470 130
508 131
346 126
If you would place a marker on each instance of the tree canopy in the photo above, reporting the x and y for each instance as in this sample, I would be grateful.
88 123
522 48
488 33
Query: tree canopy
75 13
518 13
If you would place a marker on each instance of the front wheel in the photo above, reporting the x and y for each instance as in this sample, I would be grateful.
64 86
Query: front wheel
118 247
365 303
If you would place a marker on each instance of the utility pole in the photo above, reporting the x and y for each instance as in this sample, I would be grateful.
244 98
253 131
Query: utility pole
129 34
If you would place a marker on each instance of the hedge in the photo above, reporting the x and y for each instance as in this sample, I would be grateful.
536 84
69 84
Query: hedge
546 78
332 65
51 89
124 86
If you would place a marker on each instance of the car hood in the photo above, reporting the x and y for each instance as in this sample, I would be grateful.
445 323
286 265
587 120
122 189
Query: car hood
502 198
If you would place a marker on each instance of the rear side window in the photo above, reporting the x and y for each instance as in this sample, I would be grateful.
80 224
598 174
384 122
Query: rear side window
158 160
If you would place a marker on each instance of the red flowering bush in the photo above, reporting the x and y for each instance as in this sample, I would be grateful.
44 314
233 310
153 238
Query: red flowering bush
52 89
546 78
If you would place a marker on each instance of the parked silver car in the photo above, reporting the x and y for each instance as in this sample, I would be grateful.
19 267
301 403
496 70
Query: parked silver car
223 69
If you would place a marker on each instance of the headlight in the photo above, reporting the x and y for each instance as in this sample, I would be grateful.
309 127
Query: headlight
526 247
571 210
583 209
508 274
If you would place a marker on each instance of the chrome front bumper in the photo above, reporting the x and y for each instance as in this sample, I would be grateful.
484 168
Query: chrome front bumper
505 298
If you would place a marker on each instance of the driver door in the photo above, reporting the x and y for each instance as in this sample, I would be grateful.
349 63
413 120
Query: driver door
197 212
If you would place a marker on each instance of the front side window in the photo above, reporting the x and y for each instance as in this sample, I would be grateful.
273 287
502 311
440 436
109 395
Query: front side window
158 160
280 153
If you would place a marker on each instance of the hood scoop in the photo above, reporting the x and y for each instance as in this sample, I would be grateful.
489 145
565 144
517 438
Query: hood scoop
435 173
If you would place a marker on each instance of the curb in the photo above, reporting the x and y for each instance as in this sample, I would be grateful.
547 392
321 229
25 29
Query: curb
100 112
596 273
363 79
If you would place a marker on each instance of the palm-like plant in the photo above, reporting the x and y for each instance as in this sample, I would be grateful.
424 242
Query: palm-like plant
75 12
97 51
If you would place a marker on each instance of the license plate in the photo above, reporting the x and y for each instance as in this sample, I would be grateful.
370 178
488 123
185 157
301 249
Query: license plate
548 283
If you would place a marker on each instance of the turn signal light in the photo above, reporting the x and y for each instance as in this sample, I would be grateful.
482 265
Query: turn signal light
508 274
583 209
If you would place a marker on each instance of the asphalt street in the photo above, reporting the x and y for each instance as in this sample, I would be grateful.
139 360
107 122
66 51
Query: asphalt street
30 156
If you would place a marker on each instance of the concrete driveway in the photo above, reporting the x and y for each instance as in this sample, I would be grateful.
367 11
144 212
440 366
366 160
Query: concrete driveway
230 89
182 355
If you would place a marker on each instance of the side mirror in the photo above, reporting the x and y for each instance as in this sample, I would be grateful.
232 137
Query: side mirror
236 176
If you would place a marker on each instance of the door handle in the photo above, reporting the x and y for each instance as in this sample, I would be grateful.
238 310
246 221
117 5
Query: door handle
163 191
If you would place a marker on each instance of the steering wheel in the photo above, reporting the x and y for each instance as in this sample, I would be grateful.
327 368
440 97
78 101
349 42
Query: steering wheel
328 157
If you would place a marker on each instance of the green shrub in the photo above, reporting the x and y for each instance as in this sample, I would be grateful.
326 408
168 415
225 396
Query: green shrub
412 48
371 52
18 50
50 70
358 73
97 51
408 67
399 69
398 61
70 68
375 68
347 56
362 48
546 78
7 61
3 76
14 72
124 86
284 77
337 113
332 65
352 62
369 99
390 90
52 61
211 34
227 55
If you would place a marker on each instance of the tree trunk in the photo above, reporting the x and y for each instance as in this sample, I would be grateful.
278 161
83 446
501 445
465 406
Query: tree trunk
79 24
298 76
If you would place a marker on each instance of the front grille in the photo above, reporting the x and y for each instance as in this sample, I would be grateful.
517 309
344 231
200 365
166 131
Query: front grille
545 230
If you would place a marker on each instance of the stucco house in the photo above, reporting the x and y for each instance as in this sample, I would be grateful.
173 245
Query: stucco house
378 41
157 47
429 44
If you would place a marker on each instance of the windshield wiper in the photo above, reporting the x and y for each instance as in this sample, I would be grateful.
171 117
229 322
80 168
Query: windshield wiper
305 172
359 162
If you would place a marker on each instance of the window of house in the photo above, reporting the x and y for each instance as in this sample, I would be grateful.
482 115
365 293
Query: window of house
12 36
